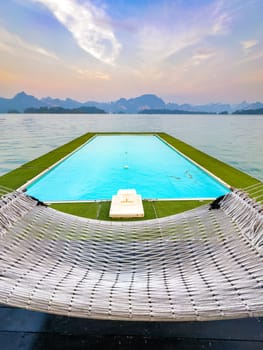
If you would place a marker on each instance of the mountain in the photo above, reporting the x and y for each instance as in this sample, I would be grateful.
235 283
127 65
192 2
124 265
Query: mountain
68 103
215 107
19 102
132 105
144 102
22 101
247 106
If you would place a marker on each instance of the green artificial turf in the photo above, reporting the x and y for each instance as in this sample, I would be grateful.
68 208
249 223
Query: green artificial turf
153 209
99 210
165 208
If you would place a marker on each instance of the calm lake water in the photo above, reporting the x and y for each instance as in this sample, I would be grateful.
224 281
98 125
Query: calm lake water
236 140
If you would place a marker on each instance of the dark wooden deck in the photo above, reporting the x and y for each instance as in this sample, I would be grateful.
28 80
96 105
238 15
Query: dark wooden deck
27 330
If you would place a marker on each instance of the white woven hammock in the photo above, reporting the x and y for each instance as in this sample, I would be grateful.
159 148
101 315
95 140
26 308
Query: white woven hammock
198 265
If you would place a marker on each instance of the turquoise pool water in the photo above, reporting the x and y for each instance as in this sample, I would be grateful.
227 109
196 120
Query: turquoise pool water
110 162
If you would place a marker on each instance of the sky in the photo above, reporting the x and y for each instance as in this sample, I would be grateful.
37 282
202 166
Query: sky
194 51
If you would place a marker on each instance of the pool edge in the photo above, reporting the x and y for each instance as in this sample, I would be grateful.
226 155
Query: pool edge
12 178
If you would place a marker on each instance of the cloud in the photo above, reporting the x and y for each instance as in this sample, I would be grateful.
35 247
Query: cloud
248 44
157 45
256 56
221 17
221 24
202 55
13 44
167 43
89 25
252 51
92 75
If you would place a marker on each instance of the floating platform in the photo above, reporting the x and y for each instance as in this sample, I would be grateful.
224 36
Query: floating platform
126 204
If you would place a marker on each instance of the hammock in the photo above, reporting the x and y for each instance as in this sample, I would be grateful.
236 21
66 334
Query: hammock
198 265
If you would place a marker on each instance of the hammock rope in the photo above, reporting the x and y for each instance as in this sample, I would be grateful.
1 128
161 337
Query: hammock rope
247 213
198 265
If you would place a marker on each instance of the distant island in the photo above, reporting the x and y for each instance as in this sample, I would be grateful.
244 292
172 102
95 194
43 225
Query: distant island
60 110
250 111
147 104
169 111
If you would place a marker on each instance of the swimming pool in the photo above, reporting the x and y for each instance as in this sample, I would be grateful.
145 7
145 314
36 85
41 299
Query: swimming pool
107 163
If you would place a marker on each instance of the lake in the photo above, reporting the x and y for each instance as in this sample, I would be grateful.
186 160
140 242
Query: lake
234 139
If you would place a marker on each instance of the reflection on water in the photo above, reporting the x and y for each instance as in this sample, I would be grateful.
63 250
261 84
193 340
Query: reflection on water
234 139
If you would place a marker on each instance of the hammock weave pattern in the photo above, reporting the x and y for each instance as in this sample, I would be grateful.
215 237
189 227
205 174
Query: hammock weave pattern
198 265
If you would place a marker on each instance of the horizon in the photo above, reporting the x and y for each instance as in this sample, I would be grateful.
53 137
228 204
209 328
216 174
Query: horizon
128 98
198 52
